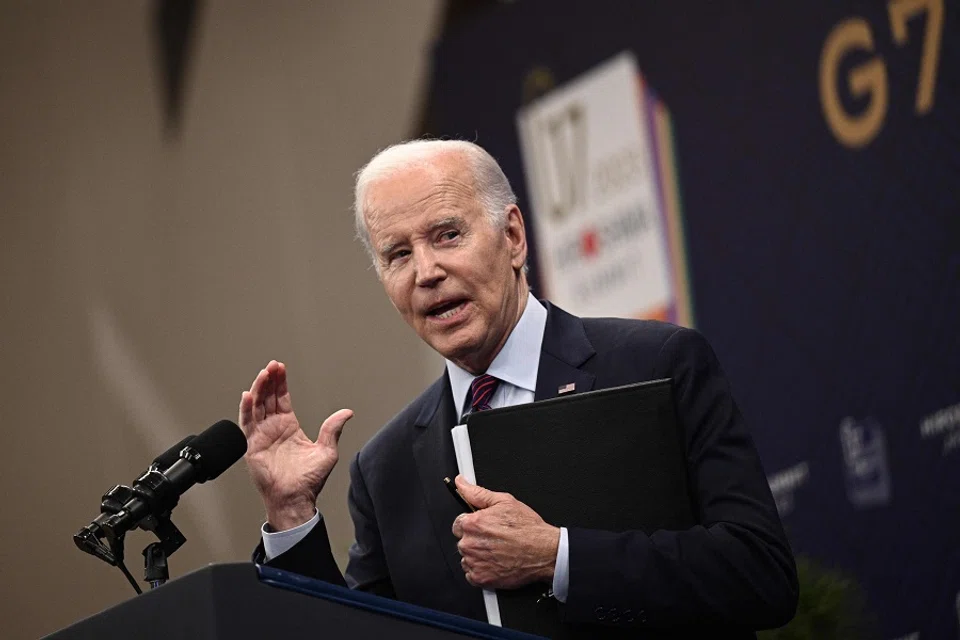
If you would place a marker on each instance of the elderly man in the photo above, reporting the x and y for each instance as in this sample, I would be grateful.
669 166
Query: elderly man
449 245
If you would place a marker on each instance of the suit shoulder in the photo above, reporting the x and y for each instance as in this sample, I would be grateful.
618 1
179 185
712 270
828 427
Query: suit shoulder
617 334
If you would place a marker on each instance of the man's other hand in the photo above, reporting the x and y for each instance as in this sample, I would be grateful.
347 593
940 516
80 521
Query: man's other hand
288 468
504 544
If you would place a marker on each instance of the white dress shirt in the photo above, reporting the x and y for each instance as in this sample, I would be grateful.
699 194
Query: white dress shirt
516 366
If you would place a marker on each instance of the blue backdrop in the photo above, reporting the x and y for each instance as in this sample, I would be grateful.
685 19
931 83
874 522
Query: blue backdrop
824 259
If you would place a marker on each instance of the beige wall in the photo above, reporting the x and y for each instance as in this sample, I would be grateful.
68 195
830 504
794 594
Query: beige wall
145 282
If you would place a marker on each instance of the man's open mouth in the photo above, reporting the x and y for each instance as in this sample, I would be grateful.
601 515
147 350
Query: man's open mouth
447 310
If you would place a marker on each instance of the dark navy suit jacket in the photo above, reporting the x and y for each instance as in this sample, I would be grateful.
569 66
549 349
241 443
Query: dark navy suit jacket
733 573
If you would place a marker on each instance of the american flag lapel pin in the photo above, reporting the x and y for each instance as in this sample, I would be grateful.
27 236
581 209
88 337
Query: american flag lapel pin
567 388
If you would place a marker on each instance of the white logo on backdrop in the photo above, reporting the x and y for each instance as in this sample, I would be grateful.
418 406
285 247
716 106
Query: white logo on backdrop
784 483
946 423
865 460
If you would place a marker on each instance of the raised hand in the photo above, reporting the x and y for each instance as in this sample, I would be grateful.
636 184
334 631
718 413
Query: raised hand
504 544
288 468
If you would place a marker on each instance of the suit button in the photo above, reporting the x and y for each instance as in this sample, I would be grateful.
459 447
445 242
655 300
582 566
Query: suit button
601 613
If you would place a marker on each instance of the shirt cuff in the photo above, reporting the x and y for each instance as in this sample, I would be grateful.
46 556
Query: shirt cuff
278 542
561 571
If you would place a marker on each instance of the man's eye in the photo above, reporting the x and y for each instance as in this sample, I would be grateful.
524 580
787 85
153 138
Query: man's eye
450 235
398 255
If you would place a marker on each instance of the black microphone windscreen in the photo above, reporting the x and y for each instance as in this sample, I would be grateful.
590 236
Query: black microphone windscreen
171 455
219 447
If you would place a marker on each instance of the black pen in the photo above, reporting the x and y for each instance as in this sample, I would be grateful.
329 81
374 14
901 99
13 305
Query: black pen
456 494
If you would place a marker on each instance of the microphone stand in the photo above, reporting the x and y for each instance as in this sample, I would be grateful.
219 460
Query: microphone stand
155 568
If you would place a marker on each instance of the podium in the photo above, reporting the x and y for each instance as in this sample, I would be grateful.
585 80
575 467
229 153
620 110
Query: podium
245 601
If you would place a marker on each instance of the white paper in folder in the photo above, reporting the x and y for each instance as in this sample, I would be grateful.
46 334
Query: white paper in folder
461 445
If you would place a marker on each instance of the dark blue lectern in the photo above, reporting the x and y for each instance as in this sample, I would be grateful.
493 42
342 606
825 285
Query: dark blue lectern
246 601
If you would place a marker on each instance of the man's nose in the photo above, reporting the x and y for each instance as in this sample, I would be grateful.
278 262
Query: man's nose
428 269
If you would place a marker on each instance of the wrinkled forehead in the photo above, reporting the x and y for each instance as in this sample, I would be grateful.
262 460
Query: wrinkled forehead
417 191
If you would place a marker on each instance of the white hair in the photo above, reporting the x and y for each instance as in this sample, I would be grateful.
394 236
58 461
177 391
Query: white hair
492 188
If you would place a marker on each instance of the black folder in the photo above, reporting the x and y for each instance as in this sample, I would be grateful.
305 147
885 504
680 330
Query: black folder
611 459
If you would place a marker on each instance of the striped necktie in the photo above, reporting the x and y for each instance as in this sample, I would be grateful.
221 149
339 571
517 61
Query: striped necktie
481 391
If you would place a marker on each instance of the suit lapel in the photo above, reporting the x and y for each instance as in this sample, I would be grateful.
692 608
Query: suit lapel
565 349
435 458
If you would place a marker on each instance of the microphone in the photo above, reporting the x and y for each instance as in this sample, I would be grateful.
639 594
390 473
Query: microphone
148 503
87 539
163 461
156 492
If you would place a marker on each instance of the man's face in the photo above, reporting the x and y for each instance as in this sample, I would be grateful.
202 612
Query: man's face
454 277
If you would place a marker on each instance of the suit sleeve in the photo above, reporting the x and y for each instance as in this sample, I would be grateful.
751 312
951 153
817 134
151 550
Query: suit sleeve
735 568
366 570
310 557
367 567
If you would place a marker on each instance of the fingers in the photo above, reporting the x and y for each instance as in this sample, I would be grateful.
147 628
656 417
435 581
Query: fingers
478 496
284 403
246 412
466 571
265 387
332 427
270 389
457 527
258 391
460 524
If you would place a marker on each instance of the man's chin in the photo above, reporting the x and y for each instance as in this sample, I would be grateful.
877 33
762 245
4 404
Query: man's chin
457 349
455 352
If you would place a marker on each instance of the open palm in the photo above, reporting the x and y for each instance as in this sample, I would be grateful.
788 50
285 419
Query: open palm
288 468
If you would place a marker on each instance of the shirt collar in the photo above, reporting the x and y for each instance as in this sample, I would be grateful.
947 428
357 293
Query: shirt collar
518 361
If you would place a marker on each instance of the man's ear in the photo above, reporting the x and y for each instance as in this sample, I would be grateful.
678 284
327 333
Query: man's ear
516 234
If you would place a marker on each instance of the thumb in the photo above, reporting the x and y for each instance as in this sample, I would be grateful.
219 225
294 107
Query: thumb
332 427
477 496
